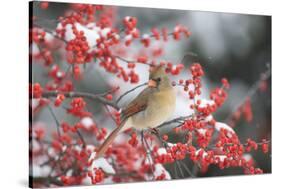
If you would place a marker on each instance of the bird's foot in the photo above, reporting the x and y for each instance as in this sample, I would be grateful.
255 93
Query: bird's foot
154 131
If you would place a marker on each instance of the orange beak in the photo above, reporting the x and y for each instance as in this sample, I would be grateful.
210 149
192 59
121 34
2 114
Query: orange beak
152 83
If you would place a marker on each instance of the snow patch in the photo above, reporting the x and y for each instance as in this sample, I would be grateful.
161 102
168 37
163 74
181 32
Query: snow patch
209 118
159 170
161 151
103 164
204 152
247 157
205 102
35 49
220 157
35 145
38 171
91 32
34 103
202 131
220 125
128 37
145 36
87 122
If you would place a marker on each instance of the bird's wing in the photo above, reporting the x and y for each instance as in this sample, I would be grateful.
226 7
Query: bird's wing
138 104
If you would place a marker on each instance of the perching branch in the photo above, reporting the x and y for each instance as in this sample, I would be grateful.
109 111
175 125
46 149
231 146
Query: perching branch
179 120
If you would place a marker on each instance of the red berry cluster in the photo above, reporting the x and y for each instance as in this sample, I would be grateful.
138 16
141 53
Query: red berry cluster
142 59
101 134
218 95
225 83
44 5
180 29
193 86
204 138
36 90
38 35
56 74
78 48
247 110
251 145
77 107
59 100
97 176
264 146
39 133
133 140
173 69
161 177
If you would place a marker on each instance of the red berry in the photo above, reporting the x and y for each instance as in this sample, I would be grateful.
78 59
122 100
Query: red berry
109 97
165 137
44 5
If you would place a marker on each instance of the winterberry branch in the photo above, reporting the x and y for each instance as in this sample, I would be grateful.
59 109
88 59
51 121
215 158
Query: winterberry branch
252 91
51 32
81 138
130 61
100 98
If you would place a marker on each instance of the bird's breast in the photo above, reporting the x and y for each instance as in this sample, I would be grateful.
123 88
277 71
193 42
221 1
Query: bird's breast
160 107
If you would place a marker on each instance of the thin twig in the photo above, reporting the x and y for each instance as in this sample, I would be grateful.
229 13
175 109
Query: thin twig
147 152
81 138
129 91
186 168
130 61
179 167
56 120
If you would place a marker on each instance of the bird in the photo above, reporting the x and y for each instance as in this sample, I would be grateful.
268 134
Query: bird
152 107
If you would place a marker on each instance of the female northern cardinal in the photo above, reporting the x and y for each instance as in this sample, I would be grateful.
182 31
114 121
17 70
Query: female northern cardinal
153 106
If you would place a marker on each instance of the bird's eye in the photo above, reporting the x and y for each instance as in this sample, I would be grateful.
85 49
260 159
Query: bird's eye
158 79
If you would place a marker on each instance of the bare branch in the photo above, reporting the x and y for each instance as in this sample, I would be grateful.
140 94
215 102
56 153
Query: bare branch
56 120
129 91
81 138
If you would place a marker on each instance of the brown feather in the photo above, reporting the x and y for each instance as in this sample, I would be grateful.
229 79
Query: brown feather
137 105
102 149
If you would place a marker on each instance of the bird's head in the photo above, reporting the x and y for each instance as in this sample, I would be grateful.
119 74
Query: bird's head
158 78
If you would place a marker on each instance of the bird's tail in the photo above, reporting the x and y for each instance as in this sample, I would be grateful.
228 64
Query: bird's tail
102 149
